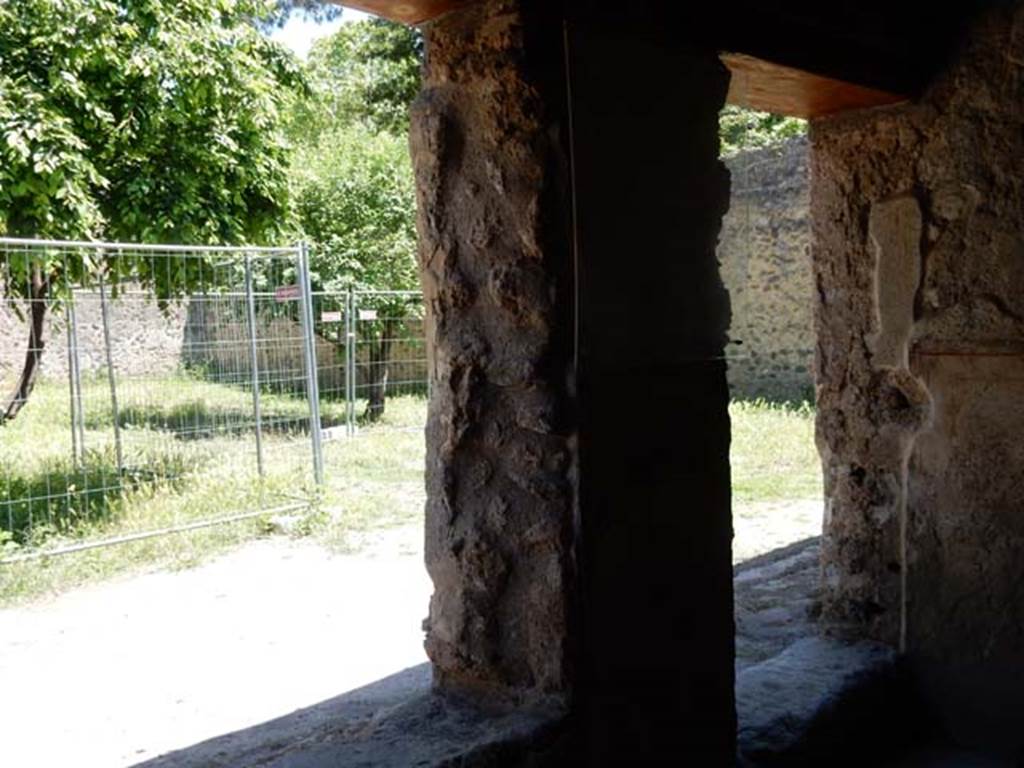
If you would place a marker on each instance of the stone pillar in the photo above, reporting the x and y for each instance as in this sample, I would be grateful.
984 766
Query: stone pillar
491 175
578 529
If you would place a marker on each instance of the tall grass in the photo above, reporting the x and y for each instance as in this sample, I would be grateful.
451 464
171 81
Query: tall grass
189 451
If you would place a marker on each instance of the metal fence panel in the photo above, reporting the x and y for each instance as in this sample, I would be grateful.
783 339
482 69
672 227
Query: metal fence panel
180 366
371 351
181 387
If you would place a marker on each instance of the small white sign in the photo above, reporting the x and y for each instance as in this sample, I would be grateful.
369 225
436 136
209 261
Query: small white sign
367 314
330 317
332 433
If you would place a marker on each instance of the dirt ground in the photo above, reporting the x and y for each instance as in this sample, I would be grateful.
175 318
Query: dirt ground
118 673
115 674
766 526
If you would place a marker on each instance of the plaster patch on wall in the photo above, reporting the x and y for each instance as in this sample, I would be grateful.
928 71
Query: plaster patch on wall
895 230
933 435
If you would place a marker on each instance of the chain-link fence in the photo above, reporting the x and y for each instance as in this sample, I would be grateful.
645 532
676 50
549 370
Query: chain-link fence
156 389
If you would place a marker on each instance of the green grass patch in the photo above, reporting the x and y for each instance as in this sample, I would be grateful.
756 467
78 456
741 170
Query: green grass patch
189 450
773 455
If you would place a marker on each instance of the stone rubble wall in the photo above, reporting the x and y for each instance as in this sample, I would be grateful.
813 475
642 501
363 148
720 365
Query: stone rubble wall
918 215
148 342
217 341
497 286
765 255
144 340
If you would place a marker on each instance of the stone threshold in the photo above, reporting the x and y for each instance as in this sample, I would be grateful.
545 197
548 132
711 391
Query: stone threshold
396 721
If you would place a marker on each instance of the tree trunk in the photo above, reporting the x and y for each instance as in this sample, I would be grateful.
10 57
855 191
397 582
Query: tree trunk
380 356
38 292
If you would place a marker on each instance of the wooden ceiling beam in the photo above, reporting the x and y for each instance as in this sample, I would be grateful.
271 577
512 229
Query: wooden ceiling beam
405 11
768 87
756 83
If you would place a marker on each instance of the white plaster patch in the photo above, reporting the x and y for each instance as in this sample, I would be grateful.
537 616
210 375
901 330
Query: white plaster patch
895 230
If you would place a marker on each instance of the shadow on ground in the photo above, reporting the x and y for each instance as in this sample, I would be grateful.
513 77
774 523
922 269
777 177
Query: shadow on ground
396 721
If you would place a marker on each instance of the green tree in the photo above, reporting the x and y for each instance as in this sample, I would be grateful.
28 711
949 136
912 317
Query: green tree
353 177
356 206
741 129
367 72
151 120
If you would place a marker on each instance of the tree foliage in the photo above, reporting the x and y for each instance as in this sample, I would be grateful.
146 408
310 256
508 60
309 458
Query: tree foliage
353 182
355 203
742 129
353 185
147 120
367 72
155 120
319 11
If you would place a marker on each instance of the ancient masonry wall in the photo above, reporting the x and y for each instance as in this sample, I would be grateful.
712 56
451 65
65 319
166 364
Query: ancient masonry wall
214 336
765 255
145 340
918 216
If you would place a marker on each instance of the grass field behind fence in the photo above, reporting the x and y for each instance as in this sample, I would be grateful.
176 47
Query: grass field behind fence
190 454
190 451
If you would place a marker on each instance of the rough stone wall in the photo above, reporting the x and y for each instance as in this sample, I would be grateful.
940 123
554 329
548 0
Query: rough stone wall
496 275
216 338
918 218
145 340
765 256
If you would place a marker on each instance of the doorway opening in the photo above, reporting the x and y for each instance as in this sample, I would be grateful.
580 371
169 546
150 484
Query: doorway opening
764 253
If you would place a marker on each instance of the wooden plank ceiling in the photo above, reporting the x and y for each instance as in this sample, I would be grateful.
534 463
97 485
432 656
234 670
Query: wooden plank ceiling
865 48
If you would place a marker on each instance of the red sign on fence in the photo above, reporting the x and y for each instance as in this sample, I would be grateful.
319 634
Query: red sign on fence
286 293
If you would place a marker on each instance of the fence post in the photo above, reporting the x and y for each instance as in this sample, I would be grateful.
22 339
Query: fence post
74 392
350 362
312 382
80 400
105 309
254 363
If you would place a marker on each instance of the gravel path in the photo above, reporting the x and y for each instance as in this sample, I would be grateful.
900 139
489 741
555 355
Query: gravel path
115 674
